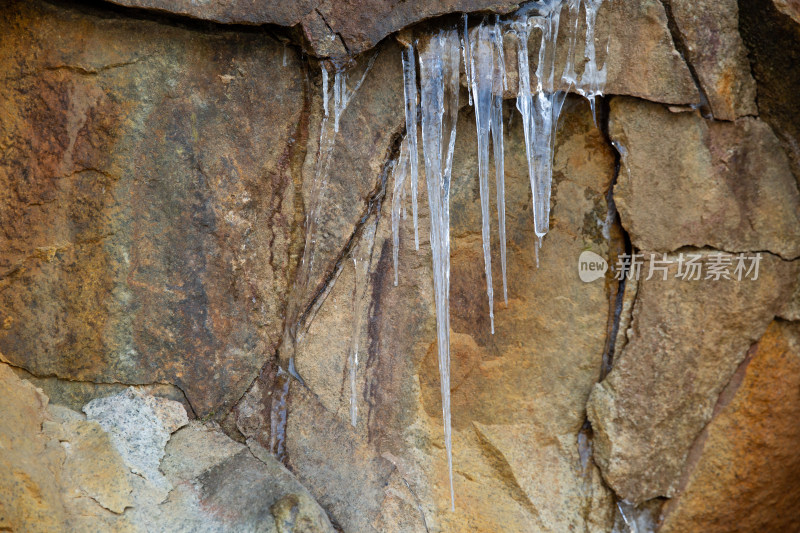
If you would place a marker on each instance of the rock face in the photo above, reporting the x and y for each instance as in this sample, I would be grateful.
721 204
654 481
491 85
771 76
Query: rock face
331 28
709 32
176 351
748 452
110 140
688 181
684 343
773 45
61 472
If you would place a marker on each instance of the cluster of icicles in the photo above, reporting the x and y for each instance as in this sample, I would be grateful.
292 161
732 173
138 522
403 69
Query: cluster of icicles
431 104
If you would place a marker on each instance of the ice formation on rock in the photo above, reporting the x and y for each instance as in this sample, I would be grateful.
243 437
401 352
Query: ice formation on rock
297 315
539 101
410 94
439 82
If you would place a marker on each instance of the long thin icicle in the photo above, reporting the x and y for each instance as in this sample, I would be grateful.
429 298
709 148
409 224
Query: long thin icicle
439 70
483 71
537 110
540 100
496 120
410 94
400 173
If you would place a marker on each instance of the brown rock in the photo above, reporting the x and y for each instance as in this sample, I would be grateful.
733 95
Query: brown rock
57 471
773 45
744 475
30 497
790 8
94 467
685 341
76 394
355 26
555 479
231 11
686 181
642 59
710 36
148 200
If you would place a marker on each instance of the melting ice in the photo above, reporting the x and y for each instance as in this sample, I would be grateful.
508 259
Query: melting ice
539 101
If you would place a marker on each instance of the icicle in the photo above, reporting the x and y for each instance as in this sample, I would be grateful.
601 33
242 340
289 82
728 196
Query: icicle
467 51
497 37
284 54
539 101
325 90
339 91
400 172
353 363
537 109
483 71
362 261
569 78
594 78
439 70
410 94
496 123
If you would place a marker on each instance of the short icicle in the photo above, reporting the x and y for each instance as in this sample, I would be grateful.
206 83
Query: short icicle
496 120
439 72
594 79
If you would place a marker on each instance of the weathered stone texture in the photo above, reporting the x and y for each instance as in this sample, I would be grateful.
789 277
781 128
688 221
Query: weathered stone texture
688 181
748 453
147 200
709 31
684 343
